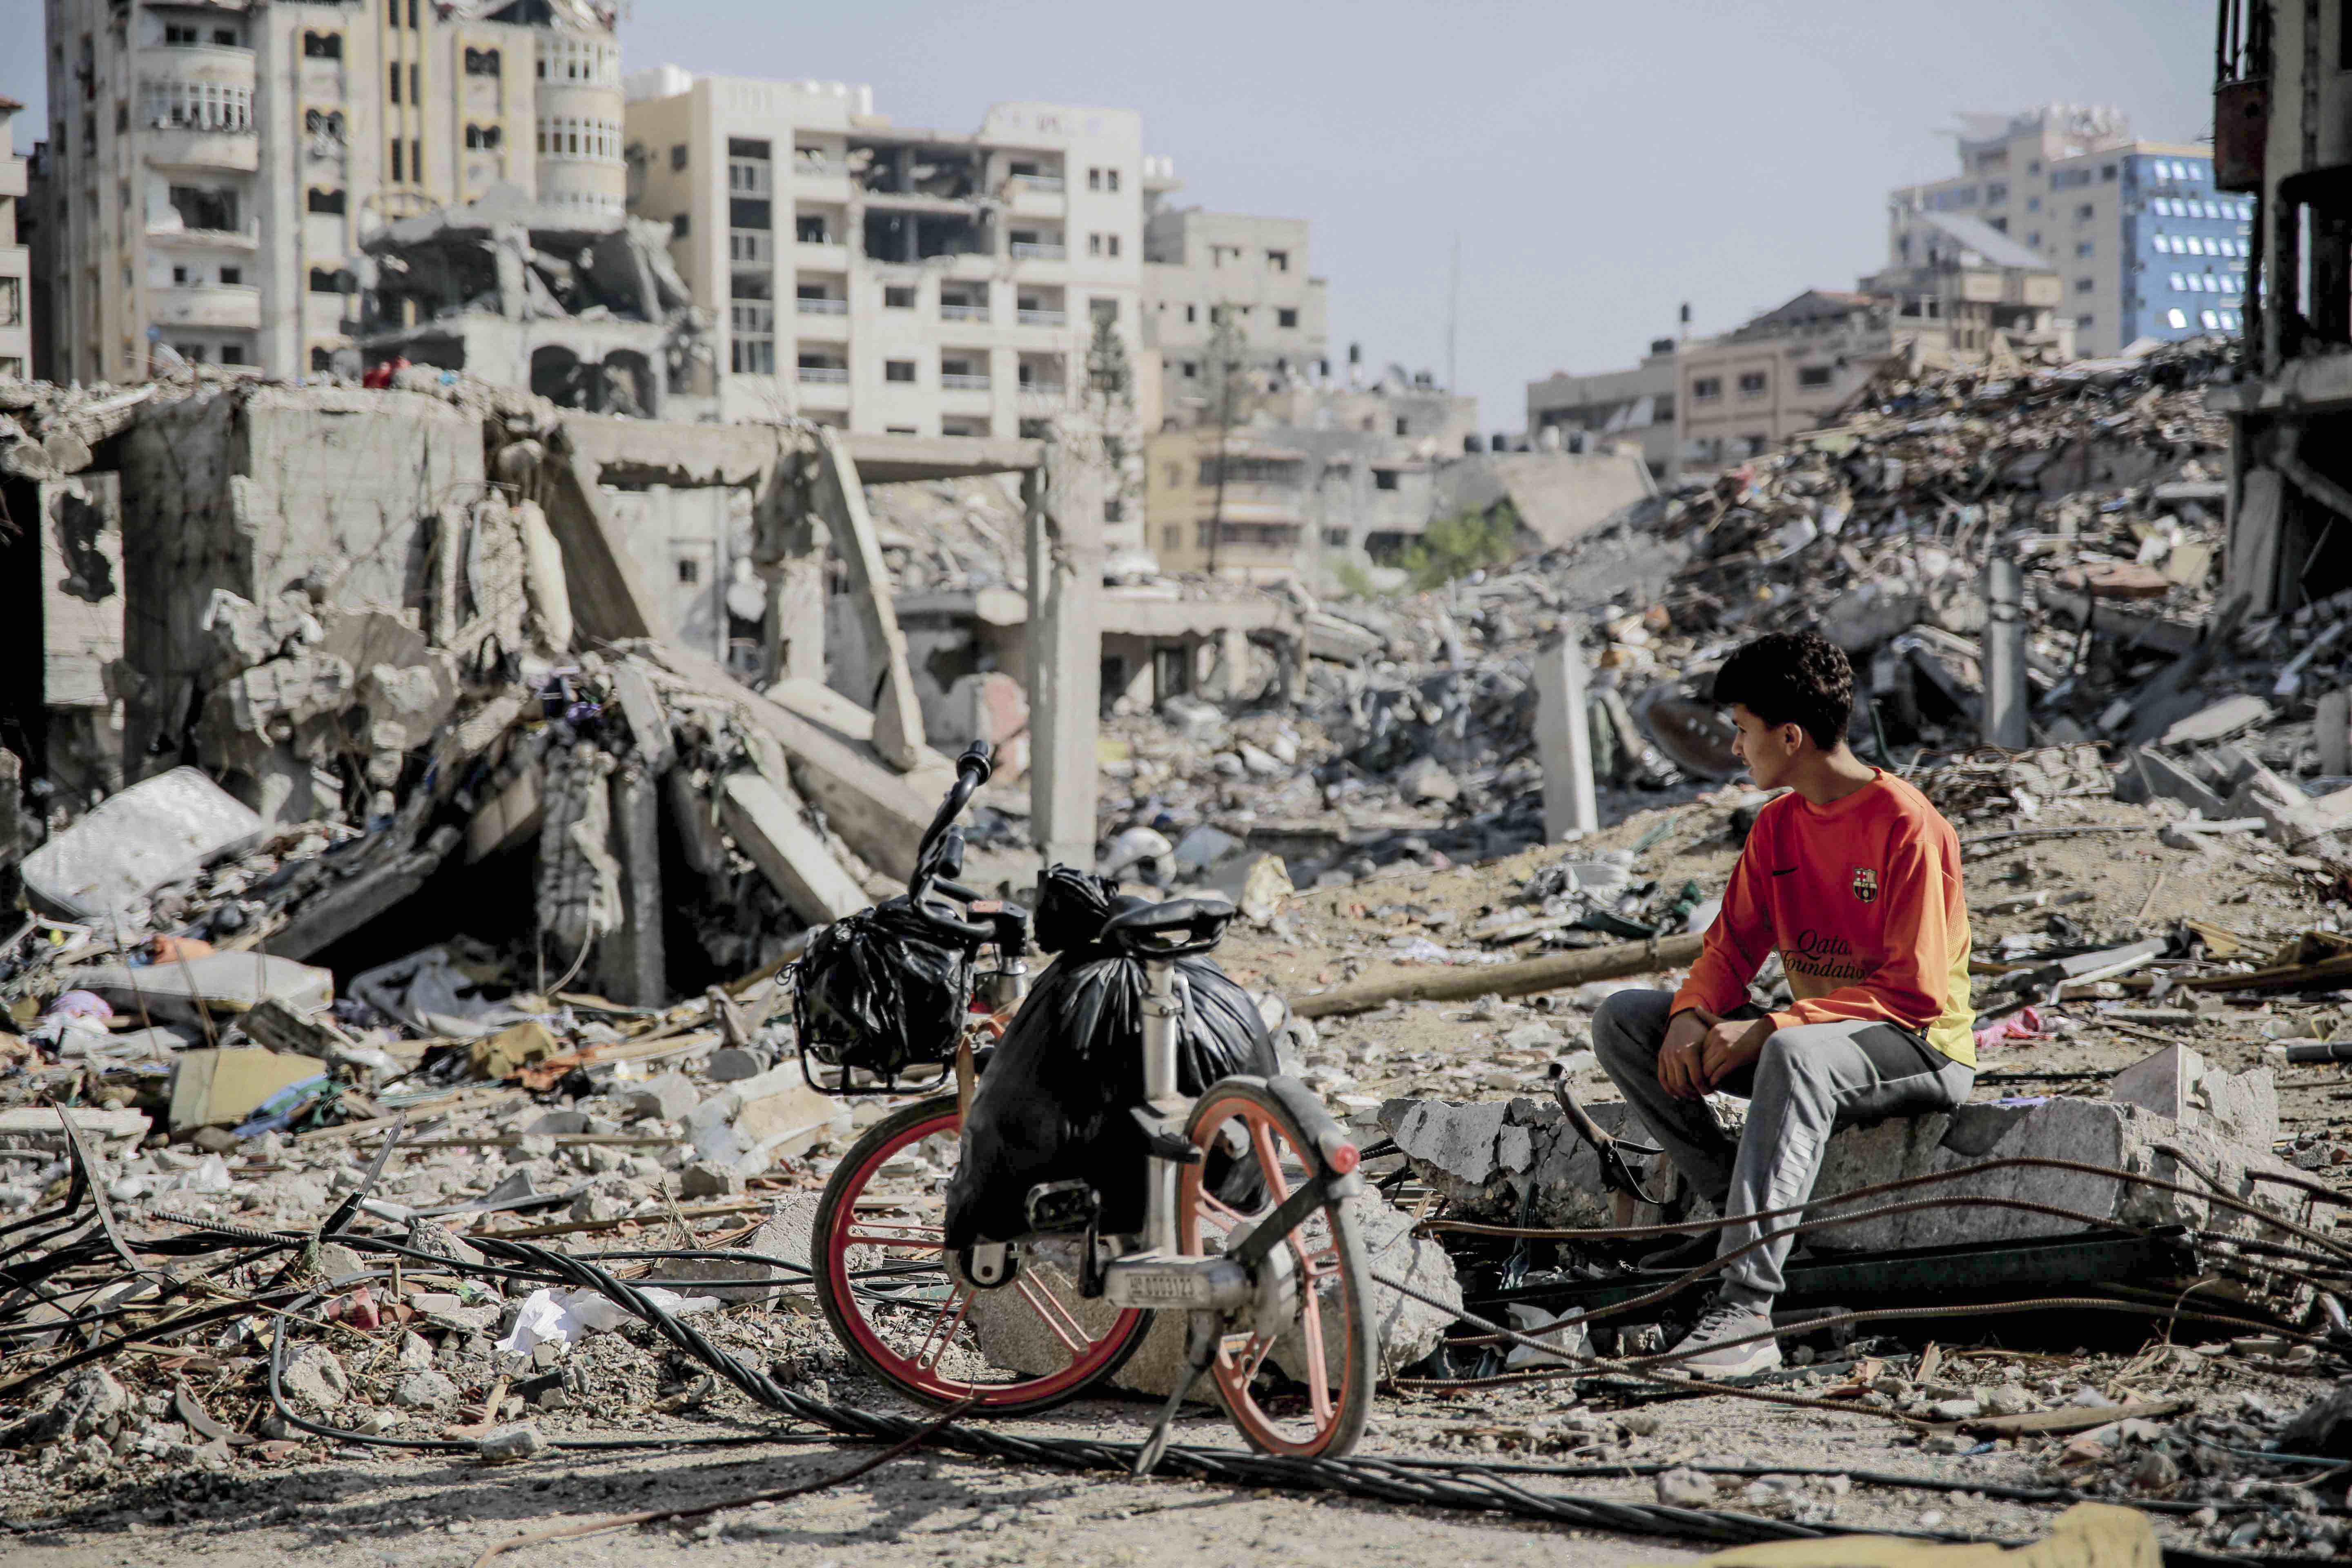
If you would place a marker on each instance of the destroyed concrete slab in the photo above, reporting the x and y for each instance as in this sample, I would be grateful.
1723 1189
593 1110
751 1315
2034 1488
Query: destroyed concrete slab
791 855
786 1241
223 983
156 831
2183 1086
1483 1156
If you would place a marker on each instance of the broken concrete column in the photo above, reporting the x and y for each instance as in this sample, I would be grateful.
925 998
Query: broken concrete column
765 821
1064 500
632 962
2008 721
2332 728
579 879
1233 654
1564 739
897 716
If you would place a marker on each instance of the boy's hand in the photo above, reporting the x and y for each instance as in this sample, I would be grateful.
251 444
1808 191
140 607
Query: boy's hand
1731 1043
1682 1057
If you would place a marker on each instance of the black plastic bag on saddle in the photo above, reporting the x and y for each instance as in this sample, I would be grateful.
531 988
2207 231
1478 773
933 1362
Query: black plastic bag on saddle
1056 1102
878 991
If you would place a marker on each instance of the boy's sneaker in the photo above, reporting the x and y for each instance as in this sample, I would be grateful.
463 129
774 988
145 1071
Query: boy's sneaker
1684 1253
1721 1321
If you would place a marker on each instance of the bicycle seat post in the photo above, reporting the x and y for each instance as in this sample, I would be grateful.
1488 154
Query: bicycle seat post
1161 1007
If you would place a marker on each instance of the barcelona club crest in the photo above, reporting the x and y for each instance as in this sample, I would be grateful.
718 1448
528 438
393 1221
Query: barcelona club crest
1865 884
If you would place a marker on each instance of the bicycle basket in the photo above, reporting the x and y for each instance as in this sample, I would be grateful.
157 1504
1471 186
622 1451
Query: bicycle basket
876 996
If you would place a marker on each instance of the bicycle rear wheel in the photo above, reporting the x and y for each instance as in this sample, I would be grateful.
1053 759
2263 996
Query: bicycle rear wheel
899 1306
1297 1375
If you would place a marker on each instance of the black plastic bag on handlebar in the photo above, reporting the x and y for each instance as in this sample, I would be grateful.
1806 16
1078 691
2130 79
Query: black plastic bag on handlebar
1071 907
1054 1102
879 991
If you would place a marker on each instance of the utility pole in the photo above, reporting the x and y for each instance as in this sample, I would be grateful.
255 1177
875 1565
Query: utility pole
1453 308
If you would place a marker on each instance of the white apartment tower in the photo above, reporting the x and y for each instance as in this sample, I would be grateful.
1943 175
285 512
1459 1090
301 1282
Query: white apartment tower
213 167
881 278
16 272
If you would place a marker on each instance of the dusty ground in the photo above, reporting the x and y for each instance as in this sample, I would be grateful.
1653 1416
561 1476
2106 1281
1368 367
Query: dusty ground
340 1508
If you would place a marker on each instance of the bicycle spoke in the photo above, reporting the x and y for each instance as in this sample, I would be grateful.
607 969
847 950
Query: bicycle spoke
943 1331
1269 1163
1318 1375
1057 1318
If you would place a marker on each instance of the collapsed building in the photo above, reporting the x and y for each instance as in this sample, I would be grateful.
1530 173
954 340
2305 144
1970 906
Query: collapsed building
578 306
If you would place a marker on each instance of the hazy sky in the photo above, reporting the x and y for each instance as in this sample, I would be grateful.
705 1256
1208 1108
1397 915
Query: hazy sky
1598 164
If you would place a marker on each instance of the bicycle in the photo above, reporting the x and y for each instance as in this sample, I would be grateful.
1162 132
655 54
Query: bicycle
1245 1228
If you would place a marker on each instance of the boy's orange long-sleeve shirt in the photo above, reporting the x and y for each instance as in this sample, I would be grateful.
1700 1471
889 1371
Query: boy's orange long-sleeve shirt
1862 897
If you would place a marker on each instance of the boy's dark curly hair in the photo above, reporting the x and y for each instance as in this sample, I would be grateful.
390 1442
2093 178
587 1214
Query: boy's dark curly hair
1791 678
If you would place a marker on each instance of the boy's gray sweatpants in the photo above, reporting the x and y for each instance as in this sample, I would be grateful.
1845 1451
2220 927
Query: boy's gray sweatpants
1809 1081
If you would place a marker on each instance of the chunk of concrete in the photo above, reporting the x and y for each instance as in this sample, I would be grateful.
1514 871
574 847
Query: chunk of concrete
315 1377
1564 739
2164 778
228 983
781 1115
1407 1329
840 499
666 1098
2181 1084
787 1236
792 855
155 832
1483 1156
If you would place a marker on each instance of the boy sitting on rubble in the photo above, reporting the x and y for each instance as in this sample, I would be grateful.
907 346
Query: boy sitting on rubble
1855 880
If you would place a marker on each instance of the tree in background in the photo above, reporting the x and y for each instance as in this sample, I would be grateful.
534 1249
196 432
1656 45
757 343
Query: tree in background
1466 543
1110 407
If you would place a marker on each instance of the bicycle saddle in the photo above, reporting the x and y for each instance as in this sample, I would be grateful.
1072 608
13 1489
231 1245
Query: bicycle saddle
1175 928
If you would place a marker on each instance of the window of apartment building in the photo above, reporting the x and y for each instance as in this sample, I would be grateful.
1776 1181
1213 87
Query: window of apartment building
680 225
2034 239
897 297
1813 375
232 277
187 105
1192 368
1285 317
1102 245
1102 179
322 46
1173 475
396 165
1191 312
1996 193
743 212
122 118
328 280
394 70
412 16
200 208
2084 285
898 370
179 275
2084 248
1384 478
232 355
1751 383
325 201
2107 173
193 353
328 124
481 62
179 37
1707 388
677 157
1278 260
2085 322
2083 214
482 138
322 361
2033 204
1998 225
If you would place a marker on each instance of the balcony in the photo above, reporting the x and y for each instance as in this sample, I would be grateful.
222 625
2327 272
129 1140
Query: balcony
822 374
808 307
186 147
1050 183
1029 251
232 306
245 238
956 312
750 247
965 382
750 177
1045 318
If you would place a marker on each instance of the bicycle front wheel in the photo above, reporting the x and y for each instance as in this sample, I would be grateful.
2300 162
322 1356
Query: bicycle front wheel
1296 1374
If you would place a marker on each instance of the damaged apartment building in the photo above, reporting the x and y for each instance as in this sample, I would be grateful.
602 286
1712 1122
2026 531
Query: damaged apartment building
2283 137
212 169
427 636
582 307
